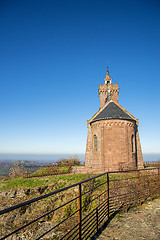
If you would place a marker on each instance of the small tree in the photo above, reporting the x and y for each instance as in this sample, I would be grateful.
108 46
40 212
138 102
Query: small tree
72 161
16 171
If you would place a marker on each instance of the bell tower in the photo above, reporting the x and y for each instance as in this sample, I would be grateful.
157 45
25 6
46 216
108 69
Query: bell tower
108 90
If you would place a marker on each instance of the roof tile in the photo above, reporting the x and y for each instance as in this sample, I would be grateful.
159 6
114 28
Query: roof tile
112 111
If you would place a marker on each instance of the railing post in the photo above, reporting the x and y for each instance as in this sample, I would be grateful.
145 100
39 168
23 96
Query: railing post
151 191
147 187
79 211
126 203
139 188
108 195
97 218
159 178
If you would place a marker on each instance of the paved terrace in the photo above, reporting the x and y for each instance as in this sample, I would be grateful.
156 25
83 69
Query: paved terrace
140 223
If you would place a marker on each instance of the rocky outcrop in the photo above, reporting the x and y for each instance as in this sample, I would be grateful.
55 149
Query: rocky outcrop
13 193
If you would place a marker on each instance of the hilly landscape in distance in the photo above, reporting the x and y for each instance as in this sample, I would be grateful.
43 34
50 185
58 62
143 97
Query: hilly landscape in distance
34 162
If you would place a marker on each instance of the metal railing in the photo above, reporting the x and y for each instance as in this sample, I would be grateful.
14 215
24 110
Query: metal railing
79 210
152 164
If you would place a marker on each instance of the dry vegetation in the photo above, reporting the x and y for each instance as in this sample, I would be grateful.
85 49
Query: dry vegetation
29 169
120 186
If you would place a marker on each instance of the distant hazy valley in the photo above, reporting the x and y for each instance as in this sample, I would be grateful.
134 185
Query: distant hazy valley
7 161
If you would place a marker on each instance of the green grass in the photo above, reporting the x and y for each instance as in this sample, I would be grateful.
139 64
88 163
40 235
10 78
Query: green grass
49 171
61 181
58 181
20 183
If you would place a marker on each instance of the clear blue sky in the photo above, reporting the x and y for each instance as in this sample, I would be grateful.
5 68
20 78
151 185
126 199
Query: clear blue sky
53 56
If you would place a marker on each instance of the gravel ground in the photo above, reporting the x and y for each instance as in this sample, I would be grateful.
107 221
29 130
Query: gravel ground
139 223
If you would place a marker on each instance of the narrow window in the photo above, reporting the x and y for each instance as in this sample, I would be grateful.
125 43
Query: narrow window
132 140
95 143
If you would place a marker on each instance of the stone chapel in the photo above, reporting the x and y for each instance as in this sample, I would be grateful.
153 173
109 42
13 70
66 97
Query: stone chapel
113 141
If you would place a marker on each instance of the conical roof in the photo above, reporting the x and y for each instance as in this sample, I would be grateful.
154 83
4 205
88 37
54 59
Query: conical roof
112 111
107 76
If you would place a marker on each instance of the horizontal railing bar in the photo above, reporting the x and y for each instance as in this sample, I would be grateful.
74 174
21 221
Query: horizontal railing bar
100 220
99 195
93 213
69 235
127 195
116 205
102 215
120 187
102 210
90 233
31 201
93 200
93 218
132 170
93 188
26 225
124 194
35 220
113 211
73 237
58 224
118 198
90 227
85 228
71 231
87 233
148 175
114 196
105 210
104 203
104 206
88 215
122 179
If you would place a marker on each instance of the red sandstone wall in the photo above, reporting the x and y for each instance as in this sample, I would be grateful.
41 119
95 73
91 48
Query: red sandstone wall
103 93
114 95
114 145
139 152
88 149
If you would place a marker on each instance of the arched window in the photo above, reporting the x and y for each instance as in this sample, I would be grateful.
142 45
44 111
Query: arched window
133 143
95 143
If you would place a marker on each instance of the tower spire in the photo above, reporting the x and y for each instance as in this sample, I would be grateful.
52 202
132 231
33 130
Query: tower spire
108 90
107 71
108 80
